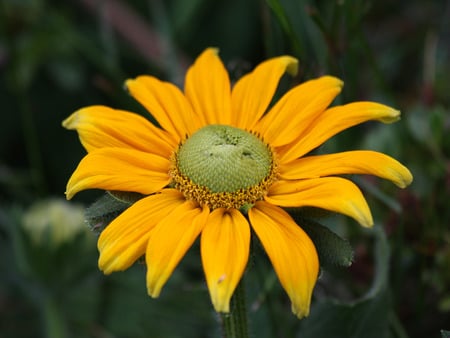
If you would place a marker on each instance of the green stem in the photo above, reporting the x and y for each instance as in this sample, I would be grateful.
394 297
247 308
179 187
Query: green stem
235 323
54 322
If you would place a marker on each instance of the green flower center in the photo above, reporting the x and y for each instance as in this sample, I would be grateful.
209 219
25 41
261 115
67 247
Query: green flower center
223 166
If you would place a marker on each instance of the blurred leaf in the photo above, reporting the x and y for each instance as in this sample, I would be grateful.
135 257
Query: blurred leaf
67 73
419 125
56 281
186 13
428 126
363 318
180 311
286 24
375 190
50 39
384 138
366 319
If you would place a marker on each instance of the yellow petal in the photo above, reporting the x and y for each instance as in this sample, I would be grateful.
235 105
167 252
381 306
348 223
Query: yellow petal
120 169
207 88
350 162
170 240
252 93
291 252
166 103
330 193
125 239
225 244
101 127
333 121
298 108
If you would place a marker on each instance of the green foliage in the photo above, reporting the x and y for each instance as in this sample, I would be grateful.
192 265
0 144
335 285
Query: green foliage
103 211
365 317
58 56
332 249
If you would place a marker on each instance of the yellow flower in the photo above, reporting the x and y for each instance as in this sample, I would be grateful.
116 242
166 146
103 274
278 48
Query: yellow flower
221 163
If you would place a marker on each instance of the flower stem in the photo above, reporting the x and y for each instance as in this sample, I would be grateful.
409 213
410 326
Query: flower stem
54 322
235 323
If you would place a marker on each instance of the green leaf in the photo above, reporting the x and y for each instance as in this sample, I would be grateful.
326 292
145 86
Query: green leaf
366 317
332 249
106 209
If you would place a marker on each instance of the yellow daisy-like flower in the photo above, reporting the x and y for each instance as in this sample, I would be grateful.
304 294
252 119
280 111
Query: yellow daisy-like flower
221 163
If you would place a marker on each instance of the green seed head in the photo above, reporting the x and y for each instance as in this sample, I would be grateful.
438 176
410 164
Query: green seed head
224 159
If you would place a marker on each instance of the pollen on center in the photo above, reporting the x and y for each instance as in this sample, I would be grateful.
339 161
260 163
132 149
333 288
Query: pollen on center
223 166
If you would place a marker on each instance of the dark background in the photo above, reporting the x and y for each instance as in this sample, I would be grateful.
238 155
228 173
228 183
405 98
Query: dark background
58 56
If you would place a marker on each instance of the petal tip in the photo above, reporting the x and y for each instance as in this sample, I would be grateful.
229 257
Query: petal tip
213 50
130 83
68 195
366 222
300 312
221 305
338 81
71 122
406 178
392 115
70 190
153 292
105 270
361 213
105 265
155 282
291 65
399 174
209 52
127 82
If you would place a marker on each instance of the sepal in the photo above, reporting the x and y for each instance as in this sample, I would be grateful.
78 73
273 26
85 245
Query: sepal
331 248
108 207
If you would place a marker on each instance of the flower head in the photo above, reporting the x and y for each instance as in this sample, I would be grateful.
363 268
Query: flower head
220 163
53 222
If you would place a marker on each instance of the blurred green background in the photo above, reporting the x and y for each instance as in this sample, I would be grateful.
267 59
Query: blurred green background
58 56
